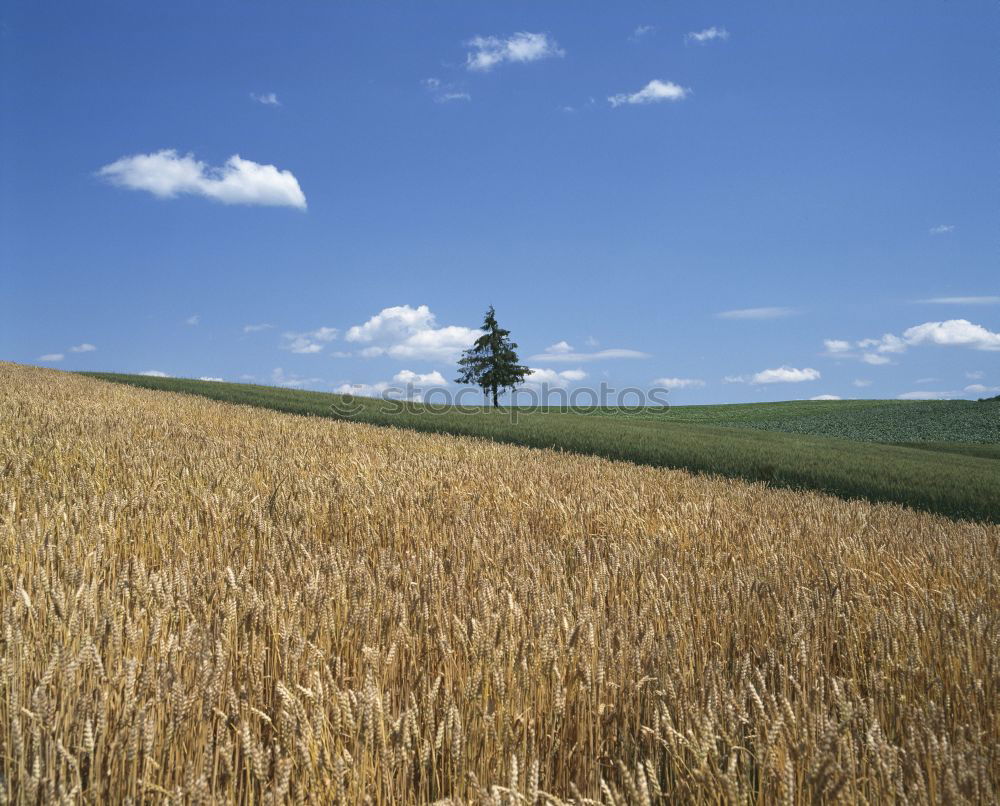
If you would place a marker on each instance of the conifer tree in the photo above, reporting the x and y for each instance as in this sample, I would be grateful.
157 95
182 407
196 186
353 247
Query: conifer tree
492 362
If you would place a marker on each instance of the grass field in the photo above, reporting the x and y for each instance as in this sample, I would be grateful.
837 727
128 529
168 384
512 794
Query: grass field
948 460
213 603
889 421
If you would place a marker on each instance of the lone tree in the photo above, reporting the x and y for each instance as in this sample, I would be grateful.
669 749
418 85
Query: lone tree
491 362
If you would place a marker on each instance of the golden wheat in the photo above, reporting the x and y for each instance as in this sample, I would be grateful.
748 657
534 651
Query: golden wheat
209 603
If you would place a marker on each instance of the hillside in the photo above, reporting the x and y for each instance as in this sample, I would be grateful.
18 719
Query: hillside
801 445
231 604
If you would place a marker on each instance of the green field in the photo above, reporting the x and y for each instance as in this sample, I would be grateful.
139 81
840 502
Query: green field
941 456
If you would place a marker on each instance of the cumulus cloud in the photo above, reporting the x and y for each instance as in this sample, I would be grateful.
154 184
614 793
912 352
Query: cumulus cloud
155 373
551 377
707 35
82 348
362 389
861 383
51 357
981 389
256 328
950 333
641 31
785 374
826 397
941 229
267 98
678 383
193 320
926 394
403 332
407 376
888 343
653 92
209 378
756 313
310 342
402 387
562 351
489 51
166 174
559 347
953 333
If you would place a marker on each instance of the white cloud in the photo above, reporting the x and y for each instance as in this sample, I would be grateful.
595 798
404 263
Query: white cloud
407 376
826 397
193 320
835 346
490 51
707 35
562 351
560 347
941 229
552 377
861 383
653 92
928 380
962 300
155 373
363 389
950 333
267 98
446 97
82 348
926 395
51 357
291 381
887 344
403 332
388 390
239 181
309 342
208 378
873 349
678 383
786 374
953 333
256 328
981 389
976 375
757 313
641 31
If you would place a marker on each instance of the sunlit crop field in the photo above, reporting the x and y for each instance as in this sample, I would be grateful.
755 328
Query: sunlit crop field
210 603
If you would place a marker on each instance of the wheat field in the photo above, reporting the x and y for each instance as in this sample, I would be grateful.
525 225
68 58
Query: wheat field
205 603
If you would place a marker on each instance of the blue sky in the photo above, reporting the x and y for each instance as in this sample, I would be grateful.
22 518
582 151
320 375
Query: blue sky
740 202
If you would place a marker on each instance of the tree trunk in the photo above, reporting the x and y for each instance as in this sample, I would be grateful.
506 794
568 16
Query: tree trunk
496 404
